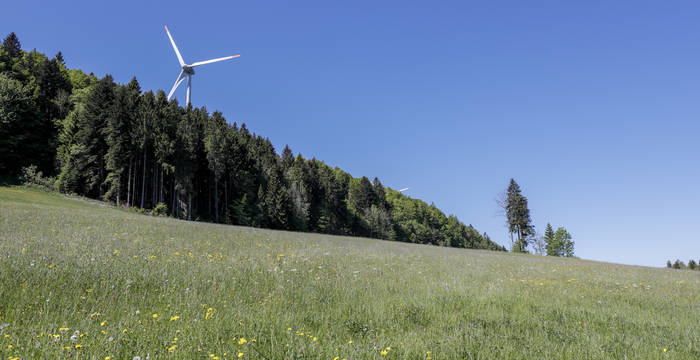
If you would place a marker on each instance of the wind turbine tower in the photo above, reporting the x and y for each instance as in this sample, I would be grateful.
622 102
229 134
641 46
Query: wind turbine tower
188 69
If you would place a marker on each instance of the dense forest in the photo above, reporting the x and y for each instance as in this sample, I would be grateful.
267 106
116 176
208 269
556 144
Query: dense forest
94 137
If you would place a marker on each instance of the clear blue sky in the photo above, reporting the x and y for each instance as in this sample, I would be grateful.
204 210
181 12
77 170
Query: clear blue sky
592 107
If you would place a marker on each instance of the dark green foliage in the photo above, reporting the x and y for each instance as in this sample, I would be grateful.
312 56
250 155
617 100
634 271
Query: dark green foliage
692 265
20 143
120 121
111 141
11 46
518 217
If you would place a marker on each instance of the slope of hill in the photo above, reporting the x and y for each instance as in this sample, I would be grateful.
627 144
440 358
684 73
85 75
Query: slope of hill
114 142
82 279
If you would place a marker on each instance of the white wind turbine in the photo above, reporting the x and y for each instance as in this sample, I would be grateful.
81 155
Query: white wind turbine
188 69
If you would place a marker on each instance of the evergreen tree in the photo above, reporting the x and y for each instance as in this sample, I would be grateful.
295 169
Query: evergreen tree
551 246
215 145
518 217
85 171
692 265
287 157
118 133
11 46
19 124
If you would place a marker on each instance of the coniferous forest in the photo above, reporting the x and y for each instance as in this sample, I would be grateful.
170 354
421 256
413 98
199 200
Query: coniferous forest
96 138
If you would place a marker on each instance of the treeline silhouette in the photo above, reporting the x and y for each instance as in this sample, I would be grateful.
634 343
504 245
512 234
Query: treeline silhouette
93 137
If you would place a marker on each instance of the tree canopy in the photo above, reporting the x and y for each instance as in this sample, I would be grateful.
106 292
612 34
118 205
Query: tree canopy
113 142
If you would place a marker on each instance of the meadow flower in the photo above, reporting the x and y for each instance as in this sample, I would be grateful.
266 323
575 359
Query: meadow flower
173 318
242 341
383 352
240 355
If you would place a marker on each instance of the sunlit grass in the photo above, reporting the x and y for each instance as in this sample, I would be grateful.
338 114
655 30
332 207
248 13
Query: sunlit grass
85 280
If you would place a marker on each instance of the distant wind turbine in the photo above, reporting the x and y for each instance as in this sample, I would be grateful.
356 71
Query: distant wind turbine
188 69
404 189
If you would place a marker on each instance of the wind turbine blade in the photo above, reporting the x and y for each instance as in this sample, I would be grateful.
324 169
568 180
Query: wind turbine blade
177 52
214 60
404 189
177 83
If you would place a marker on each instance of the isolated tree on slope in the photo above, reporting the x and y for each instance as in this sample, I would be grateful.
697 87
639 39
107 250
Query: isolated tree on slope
559 243
552 247
518 217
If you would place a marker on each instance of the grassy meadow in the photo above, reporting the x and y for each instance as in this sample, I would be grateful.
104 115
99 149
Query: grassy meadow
80 279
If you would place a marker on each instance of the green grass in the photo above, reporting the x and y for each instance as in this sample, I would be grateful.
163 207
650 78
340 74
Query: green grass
104 272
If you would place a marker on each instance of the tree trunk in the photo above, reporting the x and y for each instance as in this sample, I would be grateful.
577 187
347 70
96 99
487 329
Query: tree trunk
189 205
160 194
154 189
216 197
209 198
143 179
225 196
128 186
172 202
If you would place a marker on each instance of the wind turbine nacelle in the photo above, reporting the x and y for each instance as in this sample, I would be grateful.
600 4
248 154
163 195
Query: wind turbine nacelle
188 70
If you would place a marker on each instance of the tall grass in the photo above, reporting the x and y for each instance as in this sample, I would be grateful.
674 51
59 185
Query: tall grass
84 280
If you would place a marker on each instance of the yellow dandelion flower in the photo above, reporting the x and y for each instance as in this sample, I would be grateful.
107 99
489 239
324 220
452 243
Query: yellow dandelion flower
172 348
103 323
240 355
78 346
314 339
665 349
155 316
242 341
173 318
63 329
383 352
108 358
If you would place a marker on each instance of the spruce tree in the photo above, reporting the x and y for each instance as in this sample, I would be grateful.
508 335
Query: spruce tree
118 136
20 145
11 45
551 246
518 217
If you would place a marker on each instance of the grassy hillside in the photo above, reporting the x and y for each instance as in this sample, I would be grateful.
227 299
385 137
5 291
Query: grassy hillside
124 285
